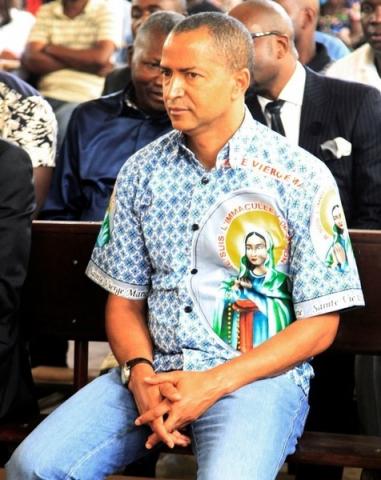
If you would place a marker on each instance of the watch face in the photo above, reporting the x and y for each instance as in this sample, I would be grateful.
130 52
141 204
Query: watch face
125 373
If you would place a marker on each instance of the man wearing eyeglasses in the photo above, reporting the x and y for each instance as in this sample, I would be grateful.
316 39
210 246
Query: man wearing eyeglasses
338 122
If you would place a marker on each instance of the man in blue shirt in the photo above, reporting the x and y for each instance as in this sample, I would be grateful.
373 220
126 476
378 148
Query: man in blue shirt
103 133
208 226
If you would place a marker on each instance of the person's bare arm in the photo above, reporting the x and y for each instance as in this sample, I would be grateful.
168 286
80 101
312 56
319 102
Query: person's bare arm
93 59
42 177
302 340
35 60
129 338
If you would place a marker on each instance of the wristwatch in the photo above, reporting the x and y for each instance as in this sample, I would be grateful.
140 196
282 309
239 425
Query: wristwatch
125 368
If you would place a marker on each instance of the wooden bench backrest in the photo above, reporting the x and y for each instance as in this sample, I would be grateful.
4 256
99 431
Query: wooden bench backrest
58 298
360 328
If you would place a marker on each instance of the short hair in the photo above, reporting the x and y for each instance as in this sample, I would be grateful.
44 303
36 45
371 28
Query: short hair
159 23
230 37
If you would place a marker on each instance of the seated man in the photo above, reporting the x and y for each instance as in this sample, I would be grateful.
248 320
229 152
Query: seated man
70 50
213 251
140 11
17 203
27 120
103 133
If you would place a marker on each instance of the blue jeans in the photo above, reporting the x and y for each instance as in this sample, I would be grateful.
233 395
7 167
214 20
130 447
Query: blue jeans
246 435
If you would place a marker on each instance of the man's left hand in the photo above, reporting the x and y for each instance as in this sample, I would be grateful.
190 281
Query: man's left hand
198 391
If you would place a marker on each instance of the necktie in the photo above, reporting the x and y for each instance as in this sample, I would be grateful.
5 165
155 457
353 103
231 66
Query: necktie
274 108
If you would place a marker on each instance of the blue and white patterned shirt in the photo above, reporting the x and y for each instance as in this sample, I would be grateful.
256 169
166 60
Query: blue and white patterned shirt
227 257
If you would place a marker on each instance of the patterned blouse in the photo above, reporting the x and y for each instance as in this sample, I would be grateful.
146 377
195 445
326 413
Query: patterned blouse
27 120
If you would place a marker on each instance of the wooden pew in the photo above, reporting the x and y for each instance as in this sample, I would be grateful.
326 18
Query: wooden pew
59 300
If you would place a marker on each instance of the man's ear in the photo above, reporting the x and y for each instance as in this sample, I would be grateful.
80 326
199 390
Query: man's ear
130 51
241 82
308 17
283 46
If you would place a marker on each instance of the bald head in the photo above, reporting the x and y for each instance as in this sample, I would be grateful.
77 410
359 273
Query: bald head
263 16
297 8
274 53
304 15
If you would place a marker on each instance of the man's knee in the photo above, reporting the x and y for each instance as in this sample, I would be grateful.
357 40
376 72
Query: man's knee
264 468
22 466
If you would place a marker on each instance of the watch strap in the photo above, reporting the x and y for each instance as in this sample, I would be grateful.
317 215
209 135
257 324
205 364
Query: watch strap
134 361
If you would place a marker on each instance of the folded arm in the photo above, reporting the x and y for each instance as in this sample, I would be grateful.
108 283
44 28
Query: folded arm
42 58
93 60
35 60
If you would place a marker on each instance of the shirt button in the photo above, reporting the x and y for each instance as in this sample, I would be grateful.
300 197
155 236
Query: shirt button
205 180
188 309
194 271
195 227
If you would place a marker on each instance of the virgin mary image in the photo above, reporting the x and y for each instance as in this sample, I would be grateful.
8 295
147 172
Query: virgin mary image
256 304
337 256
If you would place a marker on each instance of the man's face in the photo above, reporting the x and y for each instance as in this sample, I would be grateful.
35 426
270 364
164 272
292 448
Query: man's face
142 9
265 65
197 83
371 22
146 74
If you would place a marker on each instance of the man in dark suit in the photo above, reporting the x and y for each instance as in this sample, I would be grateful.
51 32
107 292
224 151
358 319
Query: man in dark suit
339 122
17 203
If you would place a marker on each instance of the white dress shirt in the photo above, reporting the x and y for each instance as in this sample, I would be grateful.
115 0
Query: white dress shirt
292 94
358 66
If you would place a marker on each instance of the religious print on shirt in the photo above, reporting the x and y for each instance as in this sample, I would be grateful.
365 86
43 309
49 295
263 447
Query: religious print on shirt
250 298
329 226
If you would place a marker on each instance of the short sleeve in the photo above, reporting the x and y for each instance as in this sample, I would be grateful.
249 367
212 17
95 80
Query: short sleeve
110 24
322 265
41 28
31 124
119 262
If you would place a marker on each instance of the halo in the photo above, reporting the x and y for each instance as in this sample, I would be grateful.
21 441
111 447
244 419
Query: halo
246 223
328 200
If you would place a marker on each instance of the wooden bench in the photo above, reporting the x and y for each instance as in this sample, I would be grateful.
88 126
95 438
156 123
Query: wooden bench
59 300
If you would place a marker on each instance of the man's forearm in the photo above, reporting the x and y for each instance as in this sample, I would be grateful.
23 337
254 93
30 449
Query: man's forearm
89 60
127 329
41 63
199 390
300 341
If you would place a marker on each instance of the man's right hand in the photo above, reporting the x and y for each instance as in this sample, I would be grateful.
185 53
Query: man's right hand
149 396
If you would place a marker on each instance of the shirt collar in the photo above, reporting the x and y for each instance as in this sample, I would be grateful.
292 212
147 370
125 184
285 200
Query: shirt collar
232 153
293 91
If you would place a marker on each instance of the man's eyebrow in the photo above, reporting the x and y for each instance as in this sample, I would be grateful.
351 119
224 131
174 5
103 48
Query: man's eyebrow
182 70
